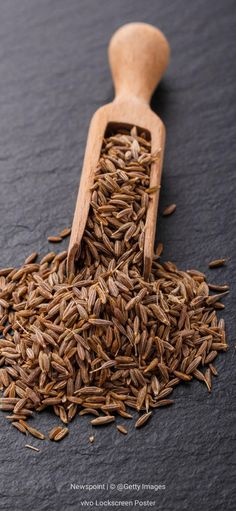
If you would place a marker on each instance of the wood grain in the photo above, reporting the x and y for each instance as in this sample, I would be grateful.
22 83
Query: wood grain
138 56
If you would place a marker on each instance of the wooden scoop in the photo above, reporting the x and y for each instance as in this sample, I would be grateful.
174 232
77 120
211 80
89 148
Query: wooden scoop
138 56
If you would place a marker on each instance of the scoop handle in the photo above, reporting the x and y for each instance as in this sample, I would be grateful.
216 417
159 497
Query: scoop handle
138 55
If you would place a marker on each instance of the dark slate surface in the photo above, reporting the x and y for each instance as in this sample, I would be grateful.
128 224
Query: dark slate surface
53 76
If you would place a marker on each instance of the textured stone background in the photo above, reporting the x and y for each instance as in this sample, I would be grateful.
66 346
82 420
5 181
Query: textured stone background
53 76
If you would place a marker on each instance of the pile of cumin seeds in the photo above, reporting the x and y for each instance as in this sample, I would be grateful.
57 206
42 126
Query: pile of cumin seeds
105 342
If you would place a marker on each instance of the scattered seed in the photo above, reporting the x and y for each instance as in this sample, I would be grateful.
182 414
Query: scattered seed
208 379
6 271
122 429
53 432
20 427
100 421
60 434
34 432
143 419
216 263
217 287
65 232
164 402
193 365
105 340
182 376
31 258
169 210
54 239
32 447
214 298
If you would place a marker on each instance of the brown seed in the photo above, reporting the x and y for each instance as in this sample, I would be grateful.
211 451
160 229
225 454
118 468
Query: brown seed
104 339
4 303
53 432
143 419
199 375
159 313
193 365
100 421
60 434
213 370
16 417
216 263
153 364
87 411
182 376
219 306
141 397
112 407
217 287
34 432
54 239
214 298
208 379
164 402
122 429
164 393
65 232
31 258
169 210
20 427
100 322
5 271
6 407
47 258
210 357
